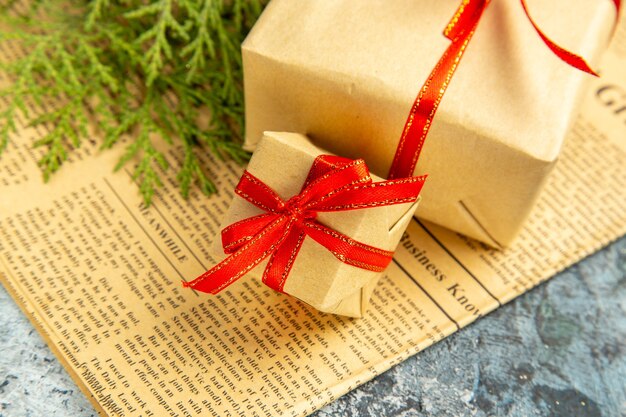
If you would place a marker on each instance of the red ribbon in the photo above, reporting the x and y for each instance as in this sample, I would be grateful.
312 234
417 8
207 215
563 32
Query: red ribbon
338 184
459 31
333 184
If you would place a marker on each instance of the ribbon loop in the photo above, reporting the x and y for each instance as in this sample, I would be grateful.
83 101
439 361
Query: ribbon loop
256 192
342 176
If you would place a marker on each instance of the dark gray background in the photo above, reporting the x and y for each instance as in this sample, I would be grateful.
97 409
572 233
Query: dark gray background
558 350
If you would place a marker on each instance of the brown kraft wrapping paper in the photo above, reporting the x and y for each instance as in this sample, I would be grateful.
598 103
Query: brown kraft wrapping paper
346 72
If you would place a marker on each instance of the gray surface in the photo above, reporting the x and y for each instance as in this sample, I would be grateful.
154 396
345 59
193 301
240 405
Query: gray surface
556 351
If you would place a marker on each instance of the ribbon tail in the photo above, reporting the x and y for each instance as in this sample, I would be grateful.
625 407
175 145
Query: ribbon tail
243 260
348 250
425 106
281 262
570 58
237 234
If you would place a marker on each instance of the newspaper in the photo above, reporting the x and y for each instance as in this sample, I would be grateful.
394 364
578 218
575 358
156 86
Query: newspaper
98 273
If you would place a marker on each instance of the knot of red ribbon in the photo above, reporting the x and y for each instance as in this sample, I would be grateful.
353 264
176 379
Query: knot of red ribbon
333 184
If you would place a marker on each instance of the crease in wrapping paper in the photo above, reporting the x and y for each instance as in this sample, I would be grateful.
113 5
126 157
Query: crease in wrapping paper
98 274
498 130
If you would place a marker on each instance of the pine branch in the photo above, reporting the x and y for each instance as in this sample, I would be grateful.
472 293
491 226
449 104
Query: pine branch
147 171
138 70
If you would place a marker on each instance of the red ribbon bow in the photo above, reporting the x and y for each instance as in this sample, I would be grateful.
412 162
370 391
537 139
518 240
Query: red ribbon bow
333 184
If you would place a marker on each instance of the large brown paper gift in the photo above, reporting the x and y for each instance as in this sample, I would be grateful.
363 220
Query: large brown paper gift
282 161
346 72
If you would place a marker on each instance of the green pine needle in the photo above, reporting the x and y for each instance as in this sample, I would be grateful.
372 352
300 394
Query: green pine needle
136 71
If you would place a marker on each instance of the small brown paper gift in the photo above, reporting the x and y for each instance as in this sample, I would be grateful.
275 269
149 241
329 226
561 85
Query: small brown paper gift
282 162
345 73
